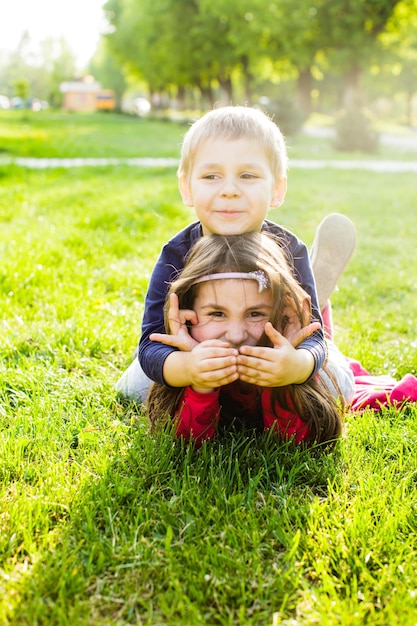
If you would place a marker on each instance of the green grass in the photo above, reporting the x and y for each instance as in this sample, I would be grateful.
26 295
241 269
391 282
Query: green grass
70 135
102 524
57 134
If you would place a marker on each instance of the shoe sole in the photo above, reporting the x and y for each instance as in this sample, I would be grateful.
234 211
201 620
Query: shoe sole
329 257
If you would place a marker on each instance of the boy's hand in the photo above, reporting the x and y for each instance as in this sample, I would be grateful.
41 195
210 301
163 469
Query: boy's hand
180 337
203 366
274 367
293 330
296 337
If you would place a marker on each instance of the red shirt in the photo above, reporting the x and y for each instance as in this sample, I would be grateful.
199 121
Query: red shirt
198 414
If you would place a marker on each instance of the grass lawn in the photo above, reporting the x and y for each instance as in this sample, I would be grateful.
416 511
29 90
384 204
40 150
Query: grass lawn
102 524
86 135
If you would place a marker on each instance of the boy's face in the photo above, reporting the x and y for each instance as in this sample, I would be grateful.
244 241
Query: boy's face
231 186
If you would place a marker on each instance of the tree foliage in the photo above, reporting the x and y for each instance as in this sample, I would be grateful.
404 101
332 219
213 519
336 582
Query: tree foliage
107 71
202 44
41 72
351 30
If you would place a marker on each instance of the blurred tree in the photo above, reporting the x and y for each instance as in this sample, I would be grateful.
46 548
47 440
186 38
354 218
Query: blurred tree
43 71
57 64
108 71
16 68
399 70
350 32
354 41
192 46
138 38
236 42
21 88
190 43
295 36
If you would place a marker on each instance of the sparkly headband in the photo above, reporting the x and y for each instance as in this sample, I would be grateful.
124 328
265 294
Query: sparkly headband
258 275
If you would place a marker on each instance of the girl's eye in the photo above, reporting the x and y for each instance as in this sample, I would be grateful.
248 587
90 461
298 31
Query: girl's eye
256 315
249 176
210 176
217 315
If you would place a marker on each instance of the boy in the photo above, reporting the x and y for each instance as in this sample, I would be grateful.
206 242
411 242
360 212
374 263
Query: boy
232 171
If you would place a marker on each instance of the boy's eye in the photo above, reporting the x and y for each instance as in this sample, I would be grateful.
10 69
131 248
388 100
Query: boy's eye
210 176
249 175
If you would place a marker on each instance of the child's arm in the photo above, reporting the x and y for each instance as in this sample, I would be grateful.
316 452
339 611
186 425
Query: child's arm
293 331
152 355
179 319
205 368
274 367
299 258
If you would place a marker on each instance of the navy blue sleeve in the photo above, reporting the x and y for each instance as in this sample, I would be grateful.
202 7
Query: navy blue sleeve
299 259
152 354
316 343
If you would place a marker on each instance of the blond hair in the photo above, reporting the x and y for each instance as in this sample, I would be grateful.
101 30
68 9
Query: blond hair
232 123
251 252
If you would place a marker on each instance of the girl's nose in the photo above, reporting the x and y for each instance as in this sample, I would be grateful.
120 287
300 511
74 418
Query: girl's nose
236 335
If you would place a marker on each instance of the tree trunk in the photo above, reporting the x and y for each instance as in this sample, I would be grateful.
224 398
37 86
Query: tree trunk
352 97
247 77
226 85
207 97
181 97
409 108
304 87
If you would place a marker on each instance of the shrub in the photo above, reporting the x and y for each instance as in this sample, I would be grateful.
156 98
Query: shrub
354 132
286 115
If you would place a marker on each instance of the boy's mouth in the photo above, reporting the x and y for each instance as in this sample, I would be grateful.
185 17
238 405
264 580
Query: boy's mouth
229 212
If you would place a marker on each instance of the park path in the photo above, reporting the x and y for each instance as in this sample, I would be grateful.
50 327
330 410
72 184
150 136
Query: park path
369 165
374 165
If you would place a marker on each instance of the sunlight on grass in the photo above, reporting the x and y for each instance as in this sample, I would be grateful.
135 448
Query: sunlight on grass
47 134
100 523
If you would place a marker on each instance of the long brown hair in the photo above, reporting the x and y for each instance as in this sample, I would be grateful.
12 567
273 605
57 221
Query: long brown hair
249 252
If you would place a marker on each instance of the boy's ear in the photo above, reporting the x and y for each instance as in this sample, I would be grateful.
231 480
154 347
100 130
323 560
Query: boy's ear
185 191
280 190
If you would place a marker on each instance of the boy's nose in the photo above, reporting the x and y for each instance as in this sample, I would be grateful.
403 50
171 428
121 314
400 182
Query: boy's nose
230 188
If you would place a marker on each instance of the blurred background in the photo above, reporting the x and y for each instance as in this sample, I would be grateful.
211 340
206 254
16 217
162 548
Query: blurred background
350 64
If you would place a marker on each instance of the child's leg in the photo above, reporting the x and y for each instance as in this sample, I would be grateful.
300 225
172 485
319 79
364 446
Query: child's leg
332 248
327 318
338 367
133 383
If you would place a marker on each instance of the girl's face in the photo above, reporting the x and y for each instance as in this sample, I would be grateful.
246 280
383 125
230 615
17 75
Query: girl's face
231 310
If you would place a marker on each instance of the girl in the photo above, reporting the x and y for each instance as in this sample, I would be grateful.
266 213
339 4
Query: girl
237 307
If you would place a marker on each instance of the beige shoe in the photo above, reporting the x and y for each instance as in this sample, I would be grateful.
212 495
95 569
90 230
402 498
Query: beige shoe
332 249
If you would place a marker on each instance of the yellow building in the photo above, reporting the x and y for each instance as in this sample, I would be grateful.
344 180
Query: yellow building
85 94
105 100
